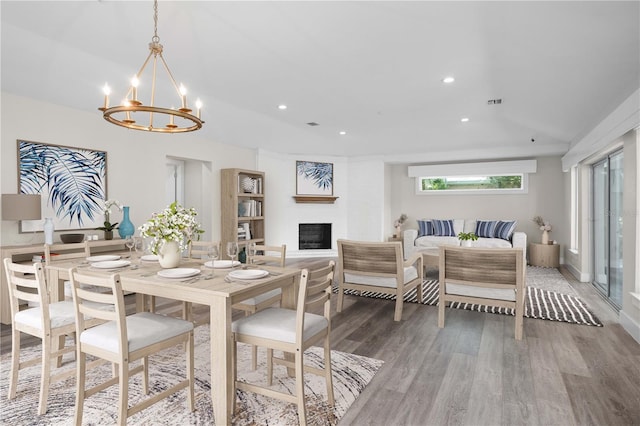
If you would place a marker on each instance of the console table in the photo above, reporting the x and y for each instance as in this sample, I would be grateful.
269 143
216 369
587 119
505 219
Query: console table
24 253
546 255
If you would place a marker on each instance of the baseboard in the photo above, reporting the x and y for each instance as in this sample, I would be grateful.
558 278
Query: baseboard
582 277
630 326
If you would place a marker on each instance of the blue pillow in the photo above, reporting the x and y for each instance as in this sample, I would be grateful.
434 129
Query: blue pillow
486 228
505 228
443 228
425 227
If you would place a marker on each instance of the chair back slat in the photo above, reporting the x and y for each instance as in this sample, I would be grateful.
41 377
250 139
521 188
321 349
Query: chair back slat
88 289
315 290
198 249
66 251
27 288
269 254
480 266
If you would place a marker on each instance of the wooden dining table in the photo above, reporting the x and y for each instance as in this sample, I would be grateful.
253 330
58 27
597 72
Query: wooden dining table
142 278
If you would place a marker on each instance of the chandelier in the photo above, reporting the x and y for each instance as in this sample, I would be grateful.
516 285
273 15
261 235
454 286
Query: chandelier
132 113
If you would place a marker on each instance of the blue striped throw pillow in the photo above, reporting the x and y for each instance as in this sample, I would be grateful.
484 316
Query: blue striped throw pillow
425 227
505 228
486 228
443 228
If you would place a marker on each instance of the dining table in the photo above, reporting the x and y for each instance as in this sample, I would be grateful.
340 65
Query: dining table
210 286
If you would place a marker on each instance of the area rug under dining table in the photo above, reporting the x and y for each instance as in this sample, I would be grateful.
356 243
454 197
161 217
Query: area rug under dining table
351 374
549 297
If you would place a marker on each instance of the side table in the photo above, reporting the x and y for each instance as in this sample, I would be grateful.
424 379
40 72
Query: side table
546 255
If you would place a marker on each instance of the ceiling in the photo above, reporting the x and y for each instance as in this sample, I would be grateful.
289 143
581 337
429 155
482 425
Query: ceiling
371 69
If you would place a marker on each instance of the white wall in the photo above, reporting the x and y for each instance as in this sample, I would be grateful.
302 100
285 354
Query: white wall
135 159
545 197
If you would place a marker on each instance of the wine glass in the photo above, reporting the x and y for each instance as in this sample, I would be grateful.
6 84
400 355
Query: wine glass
129 243
251 251
232 251
212 254
139 246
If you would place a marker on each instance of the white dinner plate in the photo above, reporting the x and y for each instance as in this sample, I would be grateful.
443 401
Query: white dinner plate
109 264
149 258
178 272
248 274
221 264
103 258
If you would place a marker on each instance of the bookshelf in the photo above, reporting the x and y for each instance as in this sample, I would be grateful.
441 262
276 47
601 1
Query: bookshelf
242 205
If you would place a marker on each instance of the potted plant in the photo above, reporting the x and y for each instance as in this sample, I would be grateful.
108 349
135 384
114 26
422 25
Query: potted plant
466 238
108 227
398 225
171 231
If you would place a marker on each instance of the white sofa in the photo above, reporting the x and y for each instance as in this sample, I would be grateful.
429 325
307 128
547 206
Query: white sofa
412 242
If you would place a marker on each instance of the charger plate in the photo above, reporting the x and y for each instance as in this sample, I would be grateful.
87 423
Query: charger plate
248 274
178 272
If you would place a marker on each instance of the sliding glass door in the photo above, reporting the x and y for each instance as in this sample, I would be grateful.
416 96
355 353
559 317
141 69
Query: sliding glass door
608 178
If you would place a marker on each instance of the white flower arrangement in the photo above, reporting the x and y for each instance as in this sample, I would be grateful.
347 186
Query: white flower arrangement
542 224
108 204
175 223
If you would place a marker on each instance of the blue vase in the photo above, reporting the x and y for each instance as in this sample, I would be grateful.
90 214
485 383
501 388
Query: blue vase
126 228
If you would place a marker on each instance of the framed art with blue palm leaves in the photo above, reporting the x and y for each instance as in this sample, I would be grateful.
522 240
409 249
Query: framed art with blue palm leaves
313 178
71 181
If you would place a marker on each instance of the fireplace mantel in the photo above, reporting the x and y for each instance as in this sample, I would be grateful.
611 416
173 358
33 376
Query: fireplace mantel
326 199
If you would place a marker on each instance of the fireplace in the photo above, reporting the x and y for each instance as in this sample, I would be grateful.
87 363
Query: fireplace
314 236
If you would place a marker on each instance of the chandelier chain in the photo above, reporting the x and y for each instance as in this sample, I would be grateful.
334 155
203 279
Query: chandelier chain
155 37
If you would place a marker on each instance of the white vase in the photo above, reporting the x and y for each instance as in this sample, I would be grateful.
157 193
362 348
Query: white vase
465 243
48 230
169 254
545 237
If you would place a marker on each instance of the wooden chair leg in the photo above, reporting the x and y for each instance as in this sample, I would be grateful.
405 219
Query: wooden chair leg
234 374
145 375
81 360
302 409
45 375
340 299
190 372
269 366
398 312
123 397
327 371
15 363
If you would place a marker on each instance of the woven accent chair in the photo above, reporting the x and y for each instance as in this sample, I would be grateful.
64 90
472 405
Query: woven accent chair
50 322
486 276
122 340
292 331
378 267
276 255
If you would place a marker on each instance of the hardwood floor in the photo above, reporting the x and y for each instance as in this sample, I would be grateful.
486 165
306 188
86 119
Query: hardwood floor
473 371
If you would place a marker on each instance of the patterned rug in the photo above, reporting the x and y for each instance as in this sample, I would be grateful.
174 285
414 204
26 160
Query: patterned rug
539 303
351 373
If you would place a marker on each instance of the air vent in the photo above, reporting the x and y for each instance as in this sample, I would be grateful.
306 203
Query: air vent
313 123
494 101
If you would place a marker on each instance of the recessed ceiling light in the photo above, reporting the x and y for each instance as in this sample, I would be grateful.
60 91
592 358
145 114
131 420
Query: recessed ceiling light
448 80
464 119
342 132
282 107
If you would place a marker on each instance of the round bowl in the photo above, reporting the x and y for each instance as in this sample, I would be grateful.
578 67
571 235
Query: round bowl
71 238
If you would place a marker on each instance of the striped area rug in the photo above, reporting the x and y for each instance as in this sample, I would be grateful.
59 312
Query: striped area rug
540 304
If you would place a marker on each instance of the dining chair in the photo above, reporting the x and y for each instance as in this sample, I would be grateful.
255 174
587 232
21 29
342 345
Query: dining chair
263 255
44 320
291 331
123 339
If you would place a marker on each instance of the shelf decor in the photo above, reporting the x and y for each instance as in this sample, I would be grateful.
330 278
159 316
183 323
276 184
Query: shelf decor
314 178
72 183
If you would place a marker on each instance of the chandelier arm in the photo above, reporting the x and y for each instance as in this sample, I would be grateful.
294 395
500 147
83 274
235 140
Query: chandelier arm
173 80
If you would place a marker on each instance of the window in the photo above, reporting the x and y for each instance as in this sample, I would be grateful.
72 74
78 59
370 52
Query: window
497 177
472 183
